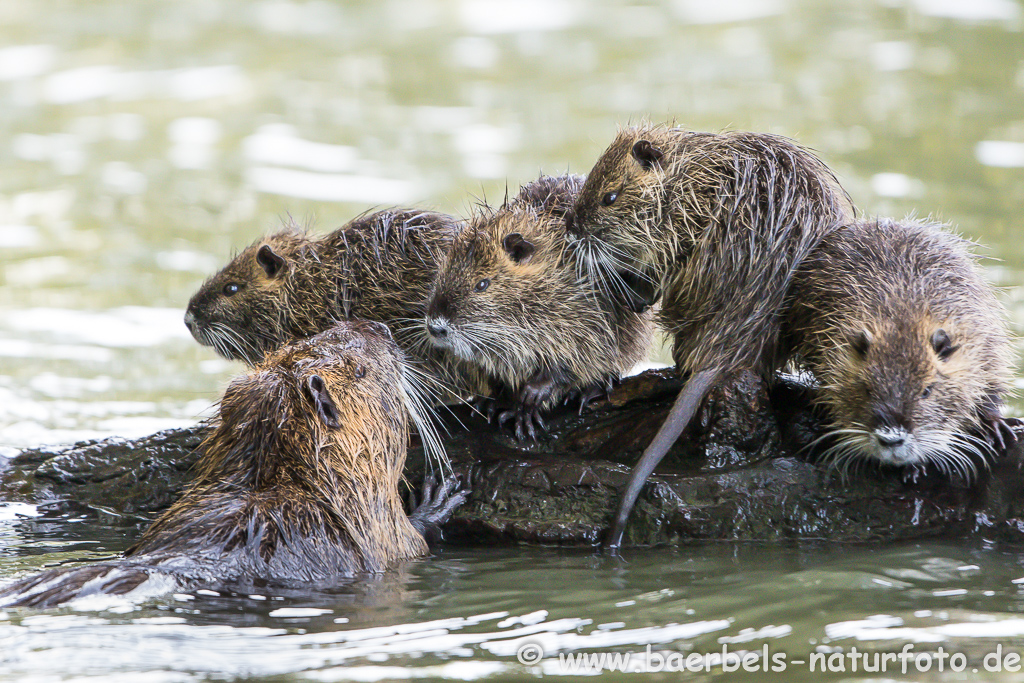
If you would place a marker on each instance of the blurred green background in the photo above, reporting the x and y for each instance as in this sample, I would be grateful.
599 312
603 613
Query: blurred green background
142 142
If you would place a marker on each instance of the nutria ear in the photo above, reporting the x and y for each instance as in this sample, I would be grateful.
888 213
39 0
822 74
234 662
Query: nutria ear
325 406
861 342
271 262
518 247
646 154
942 344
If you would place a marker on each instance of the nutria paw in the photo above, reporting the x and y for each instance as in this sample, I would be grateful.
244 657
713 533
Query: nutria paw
534 394
436 506
1001 430
528 421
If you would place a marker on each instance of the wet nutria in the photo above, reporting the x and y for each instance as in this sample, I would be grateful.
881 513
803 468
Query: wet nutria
713 225
505 300
298 482
291 285
908 343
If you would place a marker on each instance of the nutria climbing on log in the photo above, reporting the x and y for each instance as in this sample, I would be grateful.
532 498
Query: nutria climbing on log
713 226
298 482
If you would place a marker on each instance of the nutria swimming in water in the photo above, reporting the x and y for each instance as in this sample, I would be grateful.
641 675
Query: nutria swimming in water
908 343
291 285
505 300
298 482
713 225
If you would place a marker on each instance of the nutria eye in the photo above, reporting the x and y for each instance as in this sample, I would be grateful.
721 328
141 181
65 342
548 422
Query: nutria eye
360 371
609 198
230 289
482 285
927 392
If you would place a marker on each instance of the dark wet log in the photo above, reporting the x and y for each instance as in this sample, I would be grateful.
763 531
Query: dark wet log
740 472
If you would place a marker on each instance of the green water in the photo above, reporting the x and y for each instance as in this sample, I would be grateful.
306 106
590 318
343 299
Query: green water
142 142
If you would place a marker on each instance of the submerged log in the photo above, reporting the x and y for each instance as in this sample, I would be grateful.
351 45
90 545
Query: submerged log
741 472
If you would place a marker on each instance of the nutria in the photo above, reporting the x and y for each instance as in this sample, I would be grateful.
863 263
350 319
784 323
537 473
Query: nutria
298 482
291 285
505 300
713 225
908 343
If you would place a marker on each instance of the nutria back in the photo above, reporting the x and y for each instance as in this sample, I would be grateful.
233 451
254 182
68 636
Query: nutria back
506 299
907 340
298 482
713 224
291 285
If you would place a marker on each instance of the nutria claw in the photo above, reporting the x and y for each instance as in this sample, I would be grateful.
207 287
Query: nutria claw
912 473
486 407
528 421
541 387
436 506
595 392
1000 427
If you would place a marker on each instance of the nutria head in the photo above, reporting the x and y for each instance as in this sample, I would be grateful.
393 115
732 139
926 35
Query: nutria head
553 195
242 310
619 209
340 399
902 392
496 285
618 230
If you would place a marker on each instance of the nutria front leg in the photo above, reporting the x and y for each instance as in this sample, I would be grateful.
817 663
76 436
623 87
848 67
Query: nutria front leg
537 391
436 506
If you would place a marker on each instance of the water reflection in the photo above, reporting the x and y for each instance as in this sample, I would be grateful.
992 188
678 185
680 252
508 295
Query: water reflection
448 616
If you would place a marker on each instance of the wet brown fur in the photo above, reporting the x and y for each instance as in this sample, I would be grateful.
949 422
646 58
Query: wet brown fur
537 319
712 223
377 267
866 305
293 485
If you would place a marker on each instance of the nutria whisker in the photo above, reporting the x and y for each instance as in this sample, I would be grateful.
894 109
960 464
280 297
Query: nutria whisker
846 451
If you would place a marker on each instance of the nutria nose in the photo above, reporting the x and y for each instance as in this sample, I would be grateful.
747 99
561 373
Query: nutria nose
190 320
890 439
437 330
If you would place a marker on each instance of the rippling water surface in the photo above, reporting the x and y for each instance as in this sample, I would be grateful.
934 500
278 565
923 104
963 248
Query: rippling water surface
142 142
